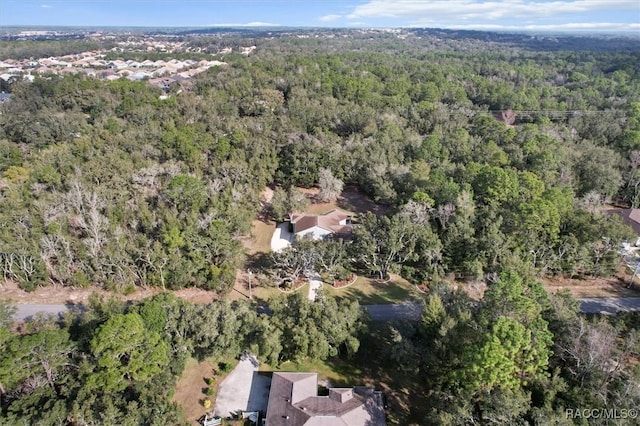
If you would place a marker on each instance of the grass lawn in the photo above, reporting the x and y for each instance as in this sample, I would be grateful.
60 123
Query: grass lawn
322 208
369 292
335 372
259 293
261 233
189 393
366 291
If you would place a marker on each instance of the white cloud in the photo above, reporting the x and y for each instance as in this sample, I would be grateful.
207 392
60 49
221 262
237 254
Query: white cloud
46 6
261 24
575 26
475 10
329 18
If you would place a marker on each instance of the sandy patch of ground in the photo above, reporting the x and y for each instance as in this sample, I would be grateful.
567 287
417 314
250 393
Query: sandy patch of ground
615 286
188 393
266 195
351 200
52 295
619 285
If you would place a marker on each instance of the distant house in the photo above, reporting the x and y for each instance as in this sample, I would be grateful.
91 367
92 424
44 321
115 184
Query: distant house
164 82
139 75
294 401
332 223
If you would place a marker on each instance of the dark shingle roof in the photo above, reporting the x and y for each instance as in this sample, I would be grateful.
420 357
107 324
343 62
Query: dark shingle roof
329 221
293 401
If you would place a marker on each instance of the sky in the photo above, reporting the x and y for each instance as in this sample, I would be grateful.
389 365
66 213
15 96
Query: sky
507 15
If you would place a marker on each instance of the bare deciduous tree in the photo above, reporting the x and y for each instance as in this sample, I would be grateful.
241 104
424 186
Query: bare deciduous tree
592 201
418 212
444 213
330 186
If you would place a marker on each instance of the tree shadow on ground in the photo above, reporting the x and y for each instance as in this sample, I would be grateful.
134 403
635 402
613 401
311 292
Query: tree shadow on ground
402 392
356 201
76 308
257 263
385 293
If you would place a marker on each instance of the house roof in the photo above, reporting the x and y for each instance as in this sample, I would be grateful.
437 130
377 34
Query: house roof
629 216
293 400
329 221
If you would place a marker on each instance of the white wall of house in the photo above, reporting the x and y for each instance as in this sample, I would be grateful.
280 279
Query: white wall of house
317 233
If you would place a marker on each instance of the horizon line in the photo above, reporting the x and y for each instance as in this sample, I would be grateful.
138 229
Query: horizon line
249 27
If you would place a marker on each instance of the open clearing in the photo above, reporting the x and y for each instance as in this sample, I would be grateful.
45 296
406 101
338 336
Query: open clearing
188 393
615 286
369 291
351 200
50 295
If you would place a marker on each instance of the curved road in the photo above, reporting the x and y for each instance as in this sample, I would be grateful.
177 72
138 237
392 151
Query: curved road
610 305
409 311
412 311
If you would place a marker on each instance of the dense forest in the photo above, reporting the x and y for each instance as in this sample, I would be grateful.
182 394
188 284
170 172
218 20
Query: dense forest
114 363
493 158
106 184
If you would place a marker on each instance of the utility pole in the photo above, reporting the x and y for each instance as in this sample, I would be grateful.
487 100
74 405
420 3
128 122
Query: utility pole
635 271
250 273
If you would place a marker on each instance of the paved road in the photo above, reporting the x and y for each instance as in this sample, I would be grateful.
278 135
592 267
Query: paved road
26 311
610 305
402 311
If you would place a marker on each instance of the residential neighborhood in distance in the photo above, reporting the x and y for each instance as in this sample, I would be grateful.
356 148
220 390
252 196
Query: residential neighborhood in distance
95 64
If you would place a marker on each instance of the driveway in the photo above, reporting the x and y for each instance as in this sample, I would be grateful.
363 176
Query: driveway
281 238
244 389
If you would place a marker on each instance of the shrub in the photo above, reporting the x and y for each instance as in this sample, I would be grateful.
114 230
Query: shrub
224 367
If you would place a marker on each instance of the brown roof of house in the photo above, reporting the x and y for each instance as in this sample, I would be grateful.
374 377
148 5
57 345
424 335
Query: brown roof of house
329 221
304 221
293 401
